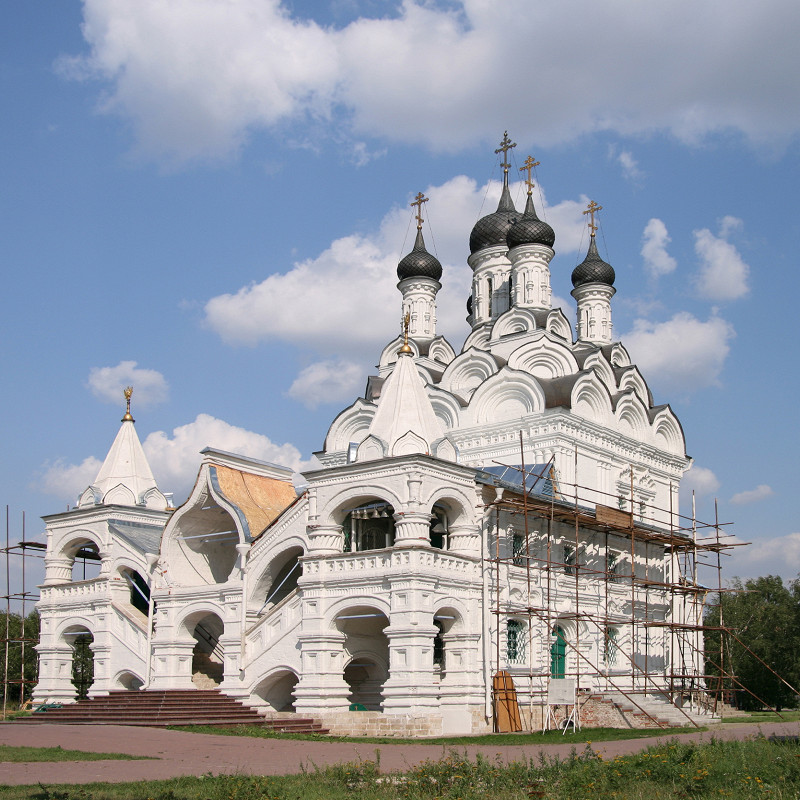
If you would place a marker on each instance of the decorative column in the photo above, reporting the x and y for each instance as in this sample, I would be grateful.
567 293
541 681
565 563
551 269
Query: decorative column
322 687
57 569
464 539
325 540
412 529
412 686
55 673
461 688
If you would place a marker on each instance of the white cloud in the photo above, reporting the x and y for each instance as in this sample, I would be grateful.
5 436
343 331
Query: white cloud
683 353
196 79
700 480
149 385
175 458
761 492
657 260
68 481
779 555
330 381
723 273
365 266
630 166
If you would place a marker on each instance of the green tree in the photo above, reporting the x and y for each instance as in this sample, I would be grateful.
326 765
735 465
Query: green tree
18 643
762 616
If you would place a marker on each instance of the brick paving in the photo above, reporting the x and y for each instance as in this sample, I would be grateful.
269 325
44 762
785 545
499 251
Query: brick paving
177 753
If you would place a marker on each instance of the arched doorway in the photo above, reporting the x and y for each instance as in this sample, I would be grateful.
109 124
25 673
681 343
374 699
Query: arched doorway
139 590
80 639
558 653
207 655
368 647
277 691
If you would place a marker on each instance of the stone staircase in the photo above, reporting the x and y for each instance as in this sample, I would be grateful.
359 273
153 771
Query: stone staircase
653 710
158 709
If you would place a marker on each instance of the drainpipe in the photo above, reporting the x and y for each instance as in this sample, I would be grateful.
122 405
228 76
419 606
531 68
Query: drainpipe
486 632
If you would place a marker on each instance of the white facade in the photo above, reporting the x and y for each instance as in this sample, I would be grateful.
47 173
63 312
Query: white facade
396 582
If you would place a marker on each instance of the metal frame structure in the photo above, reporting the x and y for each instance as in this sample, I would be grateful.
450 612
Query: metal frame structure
692 546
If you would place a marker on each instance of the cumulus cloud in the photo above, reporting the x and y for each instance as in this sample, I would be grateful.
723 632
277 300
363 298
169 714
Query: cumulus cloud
700 480
761 492
365 266
657 260
723 273
779 555
67 481
175 458
683 353
195 79
330 381
107 384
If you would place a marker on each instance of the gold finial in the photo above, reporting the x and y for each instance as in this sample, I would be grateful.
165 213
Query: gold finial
418 201
505 146
128 392
406 348
528 166
592 209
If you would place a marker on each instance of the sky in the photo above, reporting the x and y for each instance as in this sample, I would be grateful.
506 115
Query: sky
207 199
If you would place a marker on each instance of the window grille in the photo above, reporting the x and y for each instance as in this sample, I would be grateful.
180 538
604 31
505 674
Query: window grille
515 642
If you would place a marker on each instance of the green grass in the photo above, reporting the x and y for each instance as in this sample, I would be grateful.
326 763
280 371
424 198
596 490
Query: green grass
29 754
493 739
765 716
737 770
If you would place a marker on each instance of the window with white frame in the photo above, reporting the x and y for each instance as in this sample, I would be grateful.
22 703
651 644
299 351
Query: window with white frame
515 642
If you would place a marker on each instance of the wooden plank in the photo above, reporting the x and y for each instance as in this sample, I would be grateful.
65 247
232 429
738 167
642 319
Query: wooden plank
613 517
506 708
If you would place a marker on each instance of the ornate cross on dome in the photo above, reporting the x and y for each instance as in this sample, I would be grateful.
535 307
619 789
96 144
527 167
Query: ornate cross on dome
592 209
128 391
418 201
406 348
528 166
505 146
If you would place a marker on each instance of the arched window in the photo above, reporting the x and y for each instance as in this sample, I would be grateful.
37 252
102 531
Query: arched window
438 644
558 653
515 642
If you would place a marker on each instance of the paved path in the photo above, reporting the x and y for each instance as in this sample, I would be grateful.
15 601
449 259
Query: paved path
178 753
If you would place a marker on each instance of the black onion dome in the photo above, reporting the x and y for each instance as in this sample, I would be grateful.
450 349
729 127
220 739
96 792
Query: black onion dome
492 229
529 229
469 305
419 263
593 269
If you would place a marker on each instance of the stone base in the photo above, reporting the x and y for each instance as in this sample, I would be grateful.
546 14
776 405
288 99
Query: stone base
376 723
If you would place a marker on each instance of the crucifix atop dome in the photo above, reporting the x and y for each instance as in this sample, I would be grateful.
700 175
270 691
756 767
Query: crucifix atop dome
505 146
592 209
418 201
528 166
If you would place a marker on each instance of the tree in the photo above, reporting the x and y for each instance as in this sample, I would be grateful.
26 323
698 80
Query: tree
17 686
763 620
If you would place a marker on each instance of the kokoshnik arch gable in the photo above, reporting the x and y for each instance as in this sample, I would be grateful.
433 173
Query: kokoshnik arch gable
411 567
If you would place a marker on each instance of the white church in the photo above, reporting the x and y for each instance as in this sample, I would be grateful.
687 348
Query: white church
506 510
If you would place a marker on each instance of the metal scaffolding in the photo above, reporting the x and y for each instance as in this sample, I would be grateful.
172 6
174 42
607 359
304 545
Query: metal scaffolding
668 601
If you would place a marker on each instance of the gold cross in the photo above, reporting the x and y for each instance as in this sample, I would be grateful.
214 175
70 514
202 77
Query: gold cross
528 166
505 146
592 209
418 201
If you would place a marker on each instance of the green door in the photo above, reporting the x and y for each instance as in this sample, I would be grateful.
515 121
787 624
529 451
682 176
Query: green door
558 653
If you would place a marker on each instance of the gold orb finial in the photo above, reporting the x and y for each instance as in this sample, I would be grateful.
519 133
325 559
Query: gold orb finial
406 350
128 391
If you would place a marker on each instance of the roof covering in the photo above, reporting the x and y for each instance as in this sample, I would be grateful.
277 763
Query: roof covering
529 229
492 229
539 478
260 499
146 538
419 263
593 269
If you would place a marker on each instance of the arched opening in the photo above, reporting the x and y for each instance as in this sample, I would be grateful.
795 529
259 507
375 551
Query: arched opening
438 529
558 653
369 526
129 682
277 691
368 648
139 590
446 621
279 579
80 639
207 656
86 560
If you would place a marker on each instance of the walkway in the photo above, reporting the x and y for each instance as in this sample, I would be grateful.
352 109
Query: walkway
179 753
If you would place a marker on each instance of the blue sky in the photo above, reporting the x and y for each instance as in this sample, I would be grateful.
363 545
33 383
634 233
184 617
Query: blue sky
208 198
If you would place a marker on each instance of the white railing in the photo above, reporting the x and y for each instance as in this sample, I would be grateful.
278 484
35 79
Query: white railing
273 626
383 561
76 589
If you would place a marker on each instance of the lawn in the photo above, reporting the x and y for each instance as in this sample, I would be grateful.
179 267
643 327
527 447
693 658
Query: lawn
550 737
29 754
737 770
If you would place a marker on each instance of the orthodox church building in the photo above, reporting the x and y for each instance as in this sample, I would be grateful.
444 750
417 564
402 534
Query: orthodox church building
506 512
